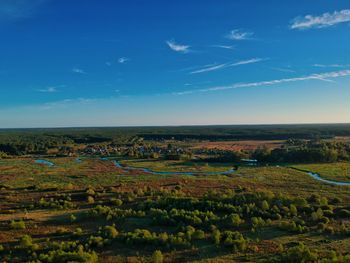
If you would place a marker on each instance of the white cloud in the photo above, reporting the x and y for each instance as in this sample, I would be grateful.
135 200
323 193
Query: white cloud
177 47
226 65
238 34
330 65
283 69
224 47
48 90
324 20
327 76
208 69
78 70
122 60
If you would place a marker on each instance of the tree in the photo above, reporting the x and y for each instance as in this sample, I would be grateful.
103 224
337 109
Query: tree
26 241
235 220
265 205
293 210
216 236
157 257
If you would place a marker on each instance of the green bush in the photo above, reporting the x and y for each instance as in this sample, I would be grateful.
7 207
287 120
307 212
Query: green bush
90 200
110 231
117 202
300 253
17 224
216 235
78 231
26 241
157 257
90 191
198 234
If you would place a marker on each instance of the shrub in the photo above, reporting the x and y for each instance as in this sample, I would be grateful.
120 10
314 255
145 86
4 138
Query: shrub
117 202
3 155
26 241
336 200
189 232
78 231
157 257
110 231
198 234
72 218
64 254
96 241
234 220
90 191
265 205
293 210
235 240
90 200
216 236
300 253
17 224
257 222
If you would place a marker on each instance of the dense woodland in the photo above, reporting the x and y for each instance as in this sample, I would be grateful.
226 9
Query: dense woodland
305 144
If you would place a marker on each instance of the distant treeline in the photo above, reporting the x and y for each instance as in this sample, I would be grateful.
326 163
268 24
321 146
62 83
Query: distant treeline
305 152
293 151
218 132
228 137
245 132
304 142
20 145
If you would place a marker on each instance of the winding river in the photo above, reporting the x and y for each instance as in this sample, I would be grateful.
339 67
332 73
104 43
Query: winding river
319 178
149 171
45 162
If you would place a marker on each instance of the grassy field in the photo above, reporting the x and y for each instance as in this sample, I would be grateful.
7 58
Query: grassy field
177 166
89 209
331 171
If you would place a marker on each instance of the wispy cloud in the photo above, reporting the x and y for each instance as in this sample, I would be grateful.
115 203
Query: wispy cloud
224 46
226 65
283 69
177 47
330 65
48 90
78 71
65 103
238 34
327 76
324 20
123 60
18 9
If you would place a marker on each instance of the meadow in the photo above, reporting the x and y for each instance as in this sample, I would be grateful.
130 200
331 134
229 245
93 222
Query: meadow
93 211
80 196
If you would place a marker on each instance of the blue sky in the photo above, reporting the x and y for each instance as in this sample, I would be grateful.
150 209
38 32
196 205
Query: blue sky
120 63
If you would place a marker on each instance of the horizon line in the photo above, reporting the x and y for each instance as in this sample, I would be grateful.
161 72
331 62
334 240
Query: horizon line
180 125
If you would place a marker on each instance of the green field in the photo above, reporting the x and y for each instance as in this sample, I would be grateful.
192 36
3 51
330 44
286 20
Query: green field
331 171
93 209
177 166
171 200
